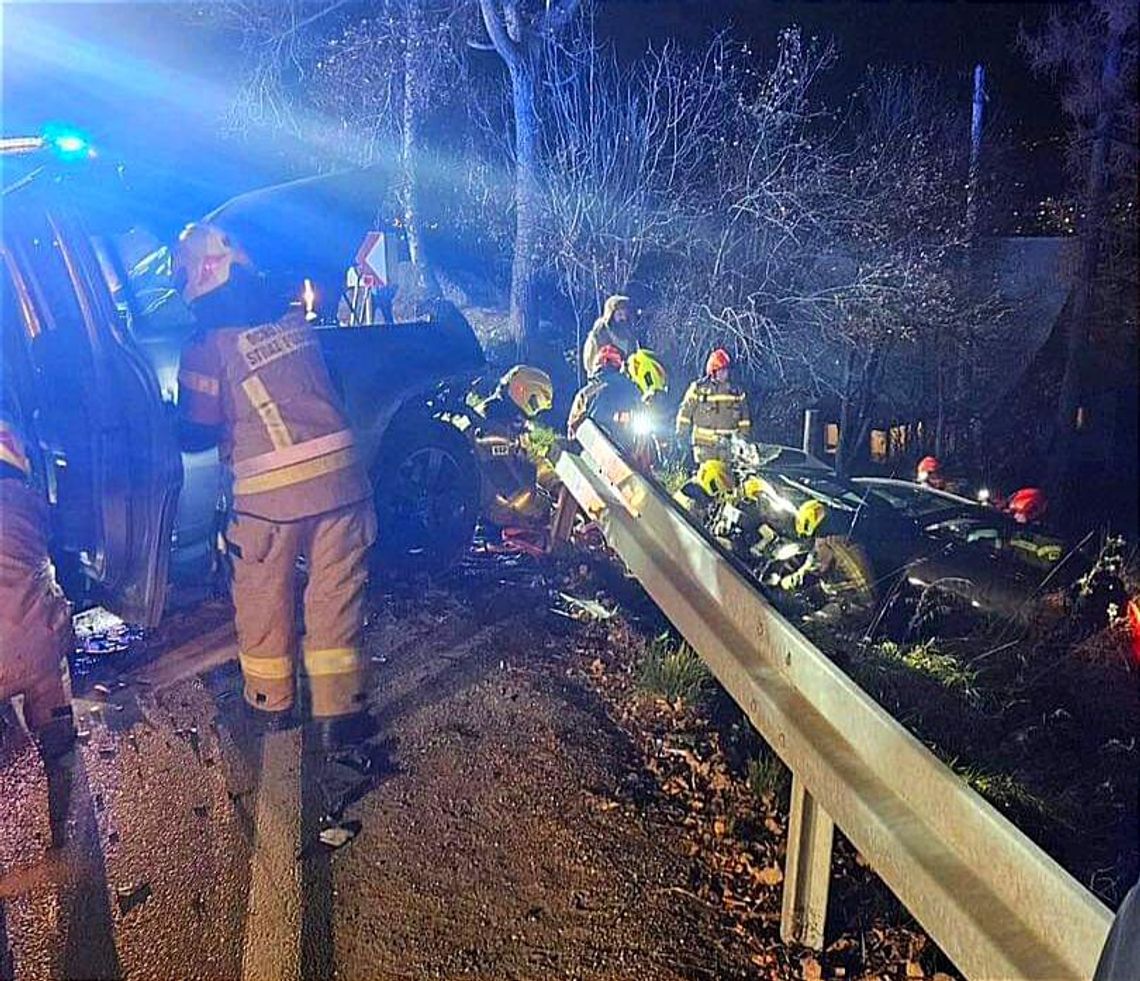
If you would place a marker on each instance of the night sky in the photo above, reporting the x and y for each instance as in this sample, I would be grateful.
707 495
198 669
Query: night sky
151 88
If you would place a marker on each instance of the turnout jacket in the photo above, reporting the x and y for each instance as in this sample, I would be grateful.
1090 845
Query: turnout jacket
282 432
712 411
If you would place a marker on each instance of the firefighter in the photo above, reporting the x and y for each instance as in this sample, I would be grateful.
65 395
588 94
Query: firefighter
1027 507
254 381
713 410
498 425
929 471
711 484
35 622
609 397
612 328
809 516
648 374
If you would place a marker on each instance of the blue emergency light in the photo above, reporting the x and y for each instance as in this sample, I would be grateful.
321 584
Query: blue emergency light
68 144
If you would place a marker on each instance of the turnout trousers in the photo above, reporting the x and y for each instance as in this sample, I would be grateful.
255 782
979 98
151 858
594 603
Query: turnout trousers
35 622
265 554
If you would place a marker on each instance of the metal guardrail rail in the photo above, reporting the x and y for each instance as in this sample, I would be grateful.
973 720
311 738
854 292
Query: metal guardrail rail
990 898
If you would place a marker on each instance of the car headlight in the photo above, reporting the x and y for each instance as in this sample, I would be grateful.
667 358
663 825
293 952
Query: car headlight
984 496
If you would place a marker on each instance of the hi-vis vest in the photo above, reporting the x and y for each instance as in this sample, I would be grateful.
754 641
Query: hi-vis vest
713 411
283 435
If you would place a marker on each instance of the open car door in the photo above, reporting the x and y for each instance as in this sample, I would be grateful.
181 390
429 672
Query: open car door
106 442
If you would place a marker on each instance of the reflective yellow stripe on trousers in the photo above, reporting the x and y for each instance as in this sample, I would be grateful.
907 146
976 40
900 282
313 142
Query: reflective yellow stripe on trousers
332 660
266 668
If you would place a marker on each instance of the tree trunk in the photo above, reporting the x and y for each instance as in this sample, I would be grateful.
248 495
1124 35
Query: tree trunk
1080 321
410 148
527 203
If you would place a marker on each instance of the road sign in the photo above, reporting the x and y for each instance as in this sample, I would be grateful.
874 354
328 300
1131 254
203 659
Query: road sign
372 260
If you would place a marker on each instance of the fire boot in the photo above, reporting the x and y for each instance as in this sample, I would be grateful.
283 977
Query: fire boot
341 732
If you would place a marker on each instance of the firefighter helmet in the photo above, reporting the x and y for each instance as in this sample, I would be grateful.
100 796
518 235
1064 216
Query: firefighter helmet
1028 504
608 356
529 388
204 257
647 373
715 478
809 516
926 466
717 361
752 488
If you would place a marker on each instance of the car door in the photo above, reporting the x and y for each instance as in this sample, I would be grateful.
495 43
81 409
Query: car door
111 459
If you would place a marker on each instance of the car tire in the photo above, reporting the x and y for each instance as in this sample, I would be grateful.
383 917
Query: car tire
426 490
848 571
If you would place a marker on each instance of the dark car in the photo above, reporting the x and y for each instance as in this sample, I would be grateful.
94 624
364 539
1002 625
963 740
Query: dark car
985 558
92 332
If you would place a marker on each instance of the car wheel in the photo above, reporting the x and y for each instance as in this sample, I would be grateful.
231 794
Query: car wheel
846 573
426 486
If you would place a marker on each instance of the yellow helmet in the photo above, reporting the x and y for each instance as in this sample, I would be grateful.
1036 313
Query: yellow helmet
203 259
529 388
809 517
715 478
752 488
647 372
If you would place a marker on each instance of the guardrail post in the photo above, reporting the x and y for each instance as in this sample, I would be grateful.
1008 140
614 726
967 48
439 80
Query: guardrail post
807 870
563 522
813 433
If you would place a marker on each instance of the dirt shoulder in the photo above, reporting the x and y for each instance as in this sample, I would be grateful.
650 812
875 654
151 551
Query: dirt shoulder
527 811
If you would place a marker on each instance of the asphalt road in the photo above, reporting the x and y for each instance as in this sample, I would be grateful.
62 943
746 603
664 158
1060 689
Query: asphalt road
474 843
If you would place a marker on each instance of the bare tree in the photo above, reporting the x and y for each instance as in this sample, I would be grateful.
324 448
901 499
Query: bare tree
518 30
1092 49
626 154
381 77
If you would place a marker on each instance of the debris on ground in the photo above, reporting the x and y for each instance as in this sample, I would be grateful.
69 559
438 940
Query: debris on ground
131 897
340 835
587 609
99 632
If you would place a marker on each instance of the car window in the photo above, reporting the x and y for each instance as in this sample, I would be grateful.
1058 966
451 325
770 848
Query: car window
137 269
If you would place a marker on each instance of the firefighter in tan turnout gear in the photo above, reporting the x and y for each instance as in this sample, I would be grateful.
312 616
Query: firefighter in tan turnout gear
712 411
35 622
259 387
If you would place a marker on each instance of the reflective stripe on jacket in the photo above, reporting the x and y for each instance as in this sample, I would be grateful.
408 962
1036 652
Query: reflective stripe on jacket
283 434
711 411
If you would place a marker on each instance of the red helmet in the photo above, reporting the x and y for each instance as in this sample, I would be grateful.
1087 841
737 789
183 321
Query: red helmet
928 465
1028 504
609 356
717 361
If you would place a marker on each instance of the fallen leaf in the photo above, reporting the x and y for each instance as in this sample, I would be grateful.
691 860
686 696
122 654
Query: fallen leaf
771 876
810 969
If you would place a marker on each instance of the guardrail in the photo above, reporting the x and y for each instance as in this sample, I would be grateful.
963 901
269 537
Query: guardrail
990 898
